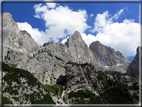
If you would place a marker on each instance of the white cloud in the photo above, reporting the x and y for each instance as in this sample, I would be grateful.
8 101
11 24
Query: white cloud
116 16
124 36
58 19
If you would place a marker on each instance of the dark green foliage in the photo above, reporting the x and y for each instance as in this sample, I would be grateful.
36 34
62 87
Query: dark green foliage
82 65
81 96
117 94
14 74
46 100
6 101
81 93
34 55
135 86
114 92
13 65
55 89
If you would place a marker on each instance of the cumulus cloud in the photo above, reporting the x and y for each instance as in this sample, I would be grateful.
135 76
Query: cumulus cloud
124 36
61 21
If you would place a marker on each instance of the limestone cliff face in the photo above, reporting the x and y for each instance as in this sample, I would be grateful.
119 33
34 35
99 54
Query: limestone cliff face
28 42
47 64
133 68
14 38
78 48
106 55
11 34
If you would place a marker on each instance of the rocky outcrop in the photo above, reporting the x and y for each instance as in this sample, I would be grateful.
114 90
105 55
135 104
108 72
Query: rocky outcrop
14 38
84 76
133 68
48 64
101 56
106 55
78 48
28 42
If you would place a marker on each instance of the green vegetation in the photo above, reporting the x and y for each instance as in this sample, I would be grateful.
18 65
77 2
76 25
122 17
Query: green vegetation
49 53
117 94
18 53
56 89
12 65
33 56
46 100
80 96
61 65
82 65
6 101
14 75
113 91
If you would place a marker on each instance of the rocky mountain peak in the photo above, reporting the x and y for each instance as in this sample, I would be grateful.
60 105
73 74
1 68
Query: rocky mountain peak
76 36
133 68
15 39
97 47
96 43
78 48
6 14
107 55
23 32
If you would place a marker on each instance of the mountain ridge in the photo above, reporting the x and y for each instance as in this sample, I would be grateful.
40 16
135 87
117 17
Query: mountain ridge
69 65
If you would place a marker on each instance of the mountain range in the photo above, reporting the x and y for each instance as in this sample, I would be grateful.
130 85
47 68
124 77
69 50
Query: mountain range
62 73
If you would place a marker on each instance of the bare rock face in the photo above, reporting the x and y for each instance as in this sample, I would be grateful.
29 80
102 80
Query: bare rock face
133 68
14 38
28 42
47 65
106 55
78 48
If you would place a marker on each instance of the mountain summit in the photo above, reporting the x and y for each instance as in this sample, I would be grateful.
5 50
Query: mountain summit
77 36
107 55
78 48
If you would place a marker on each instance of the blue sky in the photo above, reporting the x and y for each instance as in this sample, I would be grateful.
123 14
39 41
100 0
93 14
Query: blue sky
113 24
